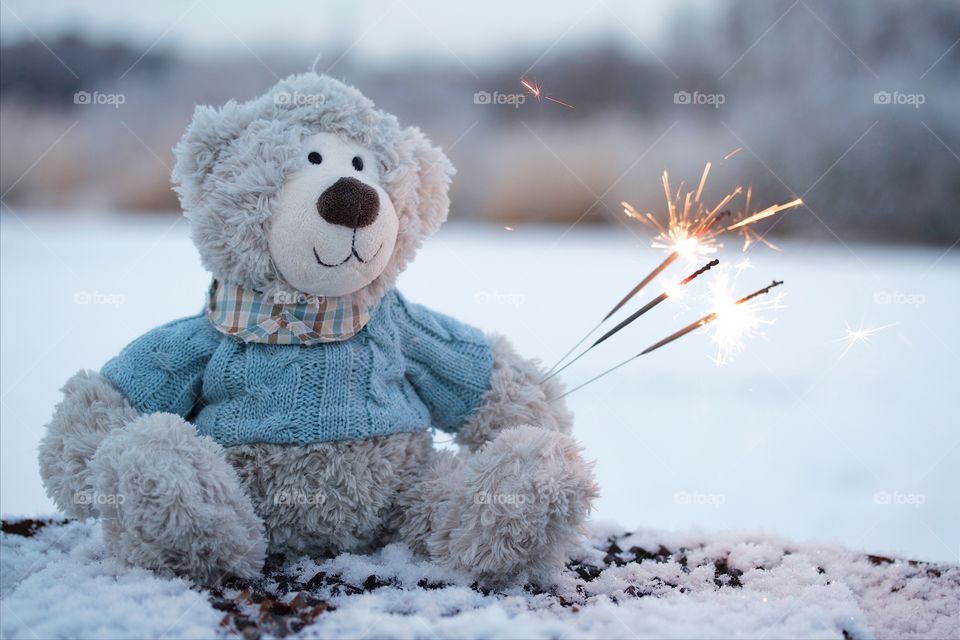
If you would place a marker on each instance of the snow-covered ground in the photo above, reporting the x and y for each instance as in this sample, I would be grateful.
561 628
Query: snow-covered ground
59 581
799 435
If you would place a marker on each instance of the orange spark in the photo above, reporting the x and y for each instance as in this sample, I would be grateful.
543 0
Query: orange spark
536 91
532 88
766 213
733 153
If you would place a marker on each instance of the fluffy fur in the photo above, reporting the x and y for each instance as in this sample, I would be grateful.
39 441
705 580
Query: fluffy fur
178 505
516 508
516 397
329 496
91 408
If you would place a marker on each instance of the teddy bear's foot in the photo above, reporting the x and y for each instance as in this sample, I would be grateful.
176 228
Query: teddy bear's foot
91 408
170 502
515 509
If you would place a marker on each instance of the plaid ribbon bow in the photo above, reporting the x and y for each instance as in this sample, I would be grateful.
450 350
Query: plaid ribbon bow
250 316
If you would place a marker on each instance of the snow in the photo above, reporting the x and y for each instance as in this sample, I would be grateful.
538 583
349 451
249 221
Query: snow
61 583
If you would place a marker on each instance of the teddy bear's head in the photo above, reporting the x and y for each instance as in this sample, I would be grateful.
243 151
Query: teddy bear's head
309 189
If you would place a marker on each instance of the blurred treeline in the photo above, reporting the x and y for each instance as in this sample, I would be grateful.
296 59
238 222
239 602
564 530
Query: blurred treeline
799 97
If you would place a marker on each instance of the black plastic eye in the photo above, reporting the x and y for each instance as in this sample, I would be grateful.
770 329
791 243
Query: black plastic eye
358 163
315 158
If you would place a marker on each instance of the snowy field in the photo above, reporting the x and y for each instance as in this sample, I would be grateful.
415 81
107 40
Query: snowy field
799 435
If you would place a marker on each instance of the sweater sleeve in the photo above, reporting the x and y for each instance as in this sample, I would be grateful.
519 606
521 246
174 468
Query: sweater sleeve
162 370
447 362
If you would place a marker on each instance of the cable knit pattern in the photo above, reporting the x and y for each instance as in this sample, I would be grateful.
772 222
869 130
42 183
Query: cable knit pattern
409 369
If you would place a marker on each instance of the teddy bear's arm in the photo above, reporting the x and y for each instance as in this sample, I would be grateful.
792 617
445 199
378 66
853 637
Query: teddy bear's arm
162 370
517 396
475 386
448 362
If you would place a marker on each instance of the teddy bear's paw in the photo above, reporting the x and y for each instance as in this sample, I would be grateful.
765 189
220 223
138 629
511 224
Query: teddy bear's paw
525 499
91 408
170 502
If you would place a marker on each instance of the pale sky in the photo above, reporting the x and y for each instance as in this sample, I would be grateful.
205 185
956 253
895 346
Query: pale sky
474 31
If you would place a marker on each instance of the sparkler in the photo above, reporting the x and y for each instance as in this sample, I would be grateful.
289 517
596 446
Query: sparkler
536 91
691 231
671 291
738 314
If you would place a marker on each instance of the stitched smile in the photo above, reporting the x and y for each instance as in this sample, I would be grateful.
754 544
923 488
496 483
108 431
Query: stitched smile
353 254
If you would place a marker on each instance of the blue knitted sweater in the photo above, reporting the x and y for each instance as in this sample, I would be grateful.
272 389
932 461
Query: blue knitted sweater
409 369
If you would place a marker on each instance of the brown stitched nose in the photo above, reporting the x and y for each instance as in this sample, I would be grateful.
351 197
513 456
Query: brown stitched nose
350 203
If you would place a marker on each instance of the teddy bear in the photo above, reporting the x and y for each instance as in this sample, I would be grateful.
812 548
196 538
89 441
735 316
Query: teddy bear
296 412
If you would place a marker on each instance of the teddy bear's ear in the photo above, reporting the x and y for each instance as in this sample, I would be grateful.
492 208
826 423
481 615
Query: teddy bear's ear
198 151
425 171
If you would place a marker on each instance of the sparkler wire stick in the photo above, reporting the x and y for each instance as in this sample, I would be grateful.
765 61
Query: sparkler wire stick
640 285
653 274
693 326
670 259
636 314
660 298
